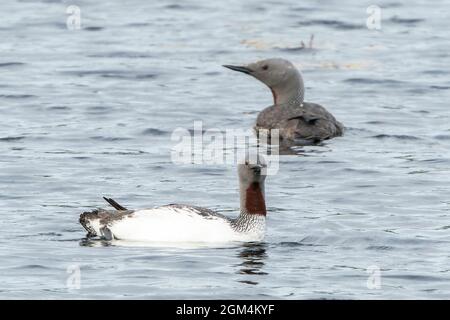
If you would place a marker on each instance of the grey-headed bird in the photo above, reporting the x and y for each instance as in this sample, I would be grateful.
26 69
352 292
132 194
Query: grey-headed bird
298 121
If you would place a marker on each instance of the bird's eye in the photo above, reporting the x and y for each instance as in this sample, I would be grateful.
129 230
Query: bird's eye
265 67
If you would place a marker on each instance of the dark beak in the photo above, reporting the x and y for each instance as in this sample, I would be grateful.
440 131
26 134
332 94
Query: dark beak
238 68
257 169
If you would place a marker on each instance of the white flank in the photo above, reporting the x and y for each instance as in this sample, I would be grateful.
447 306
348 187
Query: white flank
169 224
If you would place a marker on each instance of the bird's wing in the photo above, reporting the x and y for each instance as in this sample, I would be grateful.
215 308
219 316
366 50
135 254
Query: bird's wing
308 117
310 112
314 122
204 212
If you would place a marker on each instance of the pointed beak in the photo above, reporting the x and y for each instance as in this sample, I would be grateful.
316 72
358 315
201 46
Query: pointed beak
238 68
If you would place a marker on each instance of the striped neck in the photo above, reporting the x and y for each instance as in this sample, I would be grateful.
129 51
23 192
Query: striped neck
249 223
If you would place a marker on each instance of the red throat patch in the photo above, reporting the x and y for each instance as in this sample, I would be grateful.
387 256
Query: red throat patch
254 200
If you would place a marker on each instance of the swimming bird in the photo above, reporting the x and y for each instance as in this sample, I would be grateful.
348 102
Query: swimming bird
186 223
298 121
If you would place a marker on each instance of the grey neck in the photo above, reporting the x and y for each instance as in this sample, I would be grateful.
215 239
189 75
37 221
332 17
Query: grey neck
289 92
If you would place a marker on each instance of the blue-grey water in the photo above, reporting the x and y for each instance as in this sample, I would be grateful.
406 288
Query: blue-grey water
90 112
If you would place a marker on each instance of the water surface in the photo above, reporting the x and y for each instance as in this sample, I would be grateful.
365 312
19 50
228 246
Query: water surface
90 112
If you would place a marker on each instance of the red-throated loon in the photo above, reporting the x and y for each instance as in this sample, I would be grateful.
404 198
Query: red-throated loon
298 121
185 223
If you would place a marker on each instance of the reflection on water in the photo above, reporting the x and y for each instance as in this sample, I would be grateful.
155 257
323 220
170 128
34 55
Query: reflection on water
90 242
253 256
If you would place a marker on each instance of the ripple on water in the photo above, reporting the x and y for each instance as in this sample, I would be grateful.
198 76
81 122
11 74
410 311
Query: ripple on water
406 21
442 137
440 87
122 152
436 72
396 136
114 74
334 24
121 54
383 248
11 64
155 132
17 96
33 267
415 277
293 244
110 139
93 28
374 81
59 108
12 138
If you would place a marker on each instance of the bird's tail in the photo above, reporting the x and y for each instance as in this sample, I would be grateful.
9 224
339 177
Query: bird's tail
114 204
